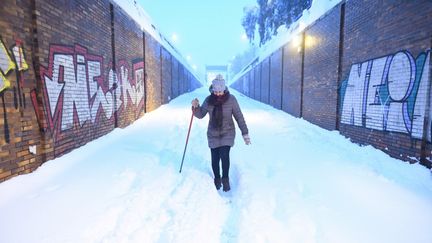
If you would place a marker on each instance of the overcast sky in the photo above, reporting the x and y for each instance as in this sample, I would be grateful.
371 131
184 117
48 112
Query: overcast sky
209 32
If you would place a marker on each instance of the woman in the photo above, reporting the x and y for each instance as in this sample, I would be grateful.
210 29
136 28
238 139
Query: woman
221 106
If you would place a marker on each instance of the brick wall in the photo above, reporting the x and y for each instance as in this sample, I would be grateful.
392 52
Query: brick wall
291 78
19 127
175 78
251 84
276 79
245 84
265 80
321 47
153 81
129 67
181 78
184 78
364 69
72 43
257 71
166 76
387 50
70 72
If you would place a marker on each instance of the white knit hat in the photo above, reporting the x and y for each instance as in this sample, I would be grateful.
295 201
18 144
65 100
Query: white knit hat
218 84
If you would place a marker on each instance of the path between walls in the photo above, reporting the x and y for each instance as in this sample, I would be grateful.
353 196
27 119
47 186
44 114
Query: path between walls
295 183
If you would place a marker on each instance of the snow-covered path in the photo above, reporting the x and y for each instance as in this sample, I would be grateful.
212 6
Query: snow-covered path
295 183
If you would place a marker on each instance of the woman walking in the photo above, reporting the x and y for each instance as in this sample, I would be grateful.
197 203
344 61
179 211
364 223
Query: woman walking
222 107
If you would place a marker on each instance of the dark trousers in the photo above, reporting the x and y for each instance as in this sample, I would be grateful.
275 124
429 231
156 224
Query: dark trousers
217 154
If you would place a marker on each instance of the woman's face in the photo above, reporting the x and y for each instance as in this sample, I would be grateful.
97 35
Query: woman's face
218 93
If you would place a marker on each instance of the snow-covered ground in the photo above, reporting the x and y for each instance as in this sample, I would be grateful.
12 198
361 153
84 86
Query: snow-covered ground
295 183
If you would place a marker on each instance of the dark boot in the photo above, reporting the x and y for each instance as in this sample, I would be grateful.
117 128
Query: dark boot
217 182
226 185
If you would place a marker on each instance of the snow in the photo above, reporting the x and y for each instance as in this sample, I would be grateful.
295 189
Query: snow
296 183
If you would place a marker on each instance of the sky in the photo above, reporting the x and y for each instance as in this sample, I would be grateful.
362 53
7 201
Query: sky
209 32
296 182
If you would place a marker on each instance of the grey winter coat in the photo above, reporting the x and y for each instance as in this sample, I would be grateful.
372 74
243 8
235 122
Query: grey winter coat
225 135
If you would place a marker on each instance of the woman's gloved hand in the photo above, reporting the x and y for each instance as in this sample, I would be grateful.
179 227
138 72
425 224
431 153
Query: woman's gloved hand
195 103
246 139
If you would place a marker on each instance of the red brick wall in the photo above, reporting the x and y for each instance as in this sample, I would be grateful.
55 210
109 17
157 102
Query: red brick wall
166 76
73 44
187 79
129 57
153 81
364 69
252 84
19 127
320 71
292 77
77 73
257 71
276 79
181 78
386 50
265 80
246 84
175 78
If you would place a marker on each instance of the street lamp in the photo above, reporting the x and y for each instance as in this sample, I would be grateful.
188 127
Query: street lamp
244 37
174 37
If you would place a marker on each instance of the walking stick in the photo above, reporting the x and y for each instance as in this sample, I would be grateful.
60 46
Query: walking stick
187 140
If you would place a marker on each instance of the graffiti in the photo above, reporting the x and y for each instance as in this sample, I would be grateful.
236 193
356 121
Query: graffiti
22 66
6 65
14 60
132 85
76 91
389 93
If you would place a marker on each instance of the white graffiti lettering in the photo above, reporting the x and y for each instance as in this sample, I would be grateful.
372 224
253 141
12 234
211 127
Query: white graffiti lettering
6 65
353 110
134 92
420 104
75 88
401 77
382 93
376 109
